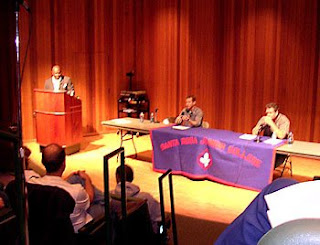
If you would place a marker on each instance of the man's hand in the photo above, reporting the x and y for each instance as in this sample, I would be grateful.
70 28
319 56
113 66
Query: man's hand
88 184
268 121
185 117
255 131
84 175
178 120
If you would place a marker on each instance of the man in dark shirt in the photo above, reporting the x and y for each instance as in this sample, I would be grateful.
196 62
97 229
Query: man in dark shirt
59 82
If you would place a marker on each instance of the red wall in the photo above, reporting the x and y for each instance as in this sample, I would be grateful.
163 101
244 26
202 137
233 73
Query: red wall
235 56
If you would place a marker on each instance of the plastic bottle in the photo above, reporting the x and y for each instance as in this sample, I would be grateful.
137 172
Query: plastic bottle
274 135
290 138
141 117
152 118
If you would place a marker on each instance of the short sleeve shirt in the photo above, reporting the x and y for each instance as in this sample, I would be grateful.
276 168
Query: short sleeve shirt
282 122
196 114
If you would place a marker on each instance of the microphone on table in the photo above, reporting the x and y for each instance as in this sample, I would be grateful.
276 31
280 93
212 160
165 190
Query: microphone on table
185 113
262 127
188 112
155 115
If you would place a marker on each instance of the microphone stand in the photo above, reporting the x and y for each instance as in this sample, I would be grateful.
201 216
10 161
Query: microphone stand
20 165
155 115
258 138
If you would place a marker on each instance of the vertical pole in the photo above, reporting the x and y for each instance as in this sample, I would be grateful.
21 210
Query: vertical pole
123 199
173 216
106 200
19 159
163 216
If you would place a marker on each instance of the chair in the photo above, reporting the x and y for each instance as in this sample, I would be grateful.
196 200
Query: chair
205 124
49 213
283 159
138 228
49 217
8 225
296 232
169 120
286 161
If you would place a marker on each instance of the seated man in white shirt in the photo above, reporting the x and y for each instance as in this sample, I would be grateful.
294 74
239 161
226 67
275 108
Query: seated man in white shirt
88 200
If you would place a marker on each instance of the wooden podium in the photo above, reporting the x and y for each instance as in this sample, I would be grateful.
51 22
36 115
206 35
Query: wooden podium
58 119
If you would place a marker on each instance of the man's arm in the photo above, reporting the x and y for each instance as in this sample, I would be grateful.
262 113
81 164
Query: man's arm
70 87
47 84
179 118
256 129
198 119
281 133
88 184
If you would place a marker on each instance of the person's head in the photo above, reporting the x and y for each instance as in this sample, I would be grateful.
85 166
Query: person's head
272 110
128 171
53 158
27 153
190 101
56 71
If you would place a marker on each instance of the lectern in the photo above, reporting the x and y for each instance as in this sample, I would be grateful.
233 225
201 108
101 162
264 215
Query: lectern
58 119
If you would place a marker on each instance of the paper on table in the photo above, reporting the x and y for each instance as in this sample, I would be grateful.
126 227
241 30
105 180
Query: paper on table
129 110
179 127
247 136
121 121
272 141
294 202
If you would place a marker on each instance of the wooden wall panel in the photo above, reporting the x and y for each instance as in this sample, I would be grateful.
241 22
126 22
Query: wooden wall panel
234 55
8 88
156 54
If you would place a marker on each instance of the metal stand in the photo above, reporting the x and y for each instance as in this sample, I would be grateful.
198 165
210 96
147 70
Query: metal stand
107 193
173 215
258 139
288 159
123 134
20 164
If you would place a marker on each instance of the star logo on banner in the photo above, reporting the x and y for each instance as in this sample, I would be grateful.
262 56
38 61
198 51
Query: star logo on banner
204 160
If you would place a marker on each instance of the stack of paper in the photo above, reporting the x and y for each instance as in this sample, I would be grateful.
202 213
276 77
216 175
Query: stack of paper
272 141
179 127
247 136
294 202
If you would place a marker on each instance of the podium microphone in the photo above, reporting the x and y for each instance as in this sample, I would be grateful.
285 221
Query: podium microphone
24 4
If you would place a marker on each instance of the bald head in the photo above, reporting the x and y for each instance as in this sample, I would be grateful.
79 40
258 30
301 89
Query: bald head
56 71
53 158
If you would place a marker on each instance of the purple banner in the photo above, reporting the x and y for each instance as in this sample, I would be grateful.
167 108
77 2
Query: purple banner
214 154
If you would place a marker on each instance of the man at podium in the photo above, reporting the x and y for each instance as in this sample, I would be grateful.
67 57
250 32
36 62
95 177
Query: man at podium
59 82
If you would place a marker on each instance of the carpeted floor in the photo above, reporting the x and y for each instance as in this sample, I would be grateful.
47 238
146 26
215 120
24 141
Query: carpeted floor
203 208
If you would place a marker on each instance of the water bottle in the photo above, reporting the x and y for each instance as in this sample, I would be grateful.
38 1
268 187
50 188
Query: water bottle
290 138
141 117
152 118
274 135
